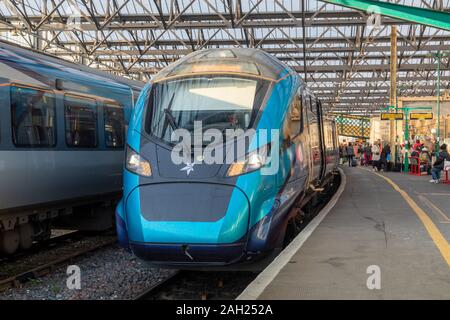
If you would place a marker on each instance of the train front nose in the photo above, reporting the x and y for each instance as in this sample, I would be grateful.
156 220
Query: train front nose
187 222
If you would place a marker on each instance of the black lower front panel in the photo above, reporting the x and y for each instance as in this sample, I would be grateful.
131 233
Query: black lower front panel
189 254
195 202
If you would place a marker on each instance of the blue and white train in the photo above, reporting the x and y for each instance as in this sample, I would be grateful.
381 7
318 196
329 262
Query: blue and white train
62 134
196 214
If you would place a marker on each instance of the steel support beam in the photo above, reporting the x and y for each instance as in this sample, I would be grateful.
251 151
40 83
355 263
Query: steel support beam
393 90
427 17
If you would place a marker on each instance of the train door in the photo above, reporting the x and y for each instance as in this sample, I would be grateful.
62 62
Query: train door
334 137
293 144
323 159
307 155
314 134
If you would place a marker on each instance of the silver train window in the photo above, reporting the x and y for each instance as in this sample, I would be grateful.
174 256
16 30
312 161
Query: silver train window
114 125
81 121
33 117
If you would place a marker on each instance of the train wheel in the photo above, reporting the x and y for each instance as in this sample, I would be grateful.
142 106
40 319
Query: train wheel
9 241
26 233
41 231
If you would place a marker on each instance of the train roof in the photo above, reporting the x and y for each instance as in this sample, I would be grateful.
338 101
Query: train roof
243 61
16 57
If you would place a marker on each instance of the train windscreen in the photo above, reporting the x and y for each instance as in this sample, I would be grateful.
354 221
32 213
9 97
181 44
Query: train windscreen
217 102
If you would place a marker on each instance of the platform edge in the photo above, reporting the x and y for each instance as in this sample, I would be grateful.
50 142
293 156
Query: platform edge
257 286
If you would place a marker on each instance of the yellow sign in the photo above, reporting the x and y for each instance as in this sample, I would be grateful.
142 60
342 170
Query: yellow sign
392 116
421 116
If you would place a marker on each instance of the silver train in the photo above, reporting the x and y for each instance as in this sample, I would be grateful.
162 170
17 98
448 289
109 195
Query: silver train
62 136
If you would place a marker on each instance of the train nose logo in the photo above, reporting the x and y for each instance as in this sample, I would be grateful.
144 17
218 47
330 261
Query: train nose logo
188 168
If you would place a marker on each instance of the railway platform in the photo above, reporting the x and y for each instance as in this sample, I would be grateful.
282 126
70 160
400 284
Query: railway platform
384 236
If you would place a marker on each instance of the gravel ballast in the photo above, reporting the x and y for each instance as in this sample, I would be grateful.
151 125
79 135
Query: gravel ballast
106 274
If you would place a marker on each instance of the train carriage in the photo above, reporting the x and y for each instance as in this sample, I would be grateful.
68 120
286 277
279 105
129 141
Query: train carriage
62 134
195 213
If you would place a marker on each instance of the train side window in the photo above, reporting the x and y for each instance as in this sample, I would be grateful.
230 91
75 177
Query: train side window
33 117
114 126
293 118
301 112
81 121
312 114
305 109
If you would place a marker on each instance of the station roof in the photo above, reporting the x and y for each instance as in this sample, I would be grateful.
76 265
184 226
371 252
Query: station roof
344 60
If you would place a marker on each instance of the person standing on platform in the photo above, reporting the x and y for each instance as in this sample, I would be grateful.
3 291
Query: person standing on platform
428 144
356 150
367 154
344 153
385 152
438 165
376 152
417 145
415 153
388 157
350 154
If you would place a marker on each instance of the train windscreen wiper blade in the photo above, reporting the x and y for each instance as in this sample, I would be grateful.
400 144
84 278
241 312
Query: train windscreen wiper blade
169 115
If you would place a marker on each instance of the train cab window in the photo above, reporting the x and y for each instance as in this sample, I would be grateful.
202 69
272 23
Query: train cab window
33 117
221 102
81 121
114 126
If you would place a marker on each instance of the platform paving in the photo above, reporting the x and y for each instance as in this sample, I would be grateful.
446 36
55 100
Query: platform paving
373 225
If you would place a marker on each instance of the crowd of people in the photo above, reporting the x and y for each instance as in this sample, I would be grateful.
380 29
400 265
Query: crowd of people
378 156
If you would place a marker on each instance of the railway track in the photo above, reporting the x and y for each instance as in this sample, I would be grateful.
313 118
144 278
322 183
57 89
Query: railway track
150 292
14 273
187 285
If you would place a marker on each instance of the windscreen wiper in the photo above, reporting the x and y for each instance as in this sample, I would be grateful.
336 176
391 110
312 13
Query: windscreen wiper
169 115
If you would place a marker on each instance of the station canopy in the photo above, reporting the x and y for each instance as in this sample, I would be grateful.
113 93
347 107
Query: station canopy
343 58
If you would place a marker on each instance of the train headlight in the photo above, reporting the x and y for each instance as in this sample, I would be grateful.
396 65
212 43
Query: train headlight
252 161
136 164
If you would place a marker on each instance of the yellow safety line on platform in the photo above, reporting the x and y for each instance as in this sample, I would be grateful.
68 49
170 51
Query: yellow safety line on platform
435 208
438 239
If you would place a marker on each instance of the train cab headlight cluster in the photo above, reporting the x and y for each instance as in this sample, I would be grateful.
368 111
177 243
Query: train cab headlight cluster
136 164
252 161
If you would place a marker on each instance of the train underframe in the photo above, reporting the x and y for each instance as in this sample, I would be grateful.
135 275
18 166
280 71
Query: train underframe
21 227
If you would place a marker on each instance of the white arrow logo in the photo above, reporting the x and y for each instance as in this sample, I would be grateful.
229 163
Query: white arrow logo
188 168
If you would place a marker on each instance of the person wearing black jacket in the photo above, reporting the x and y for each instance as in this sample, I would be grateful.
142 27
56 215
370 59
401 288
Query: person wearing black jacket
385 153
438 165
350 154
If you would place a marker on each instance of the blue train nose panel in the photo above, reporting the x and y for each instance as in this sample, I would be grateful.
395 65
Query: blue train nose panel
181 213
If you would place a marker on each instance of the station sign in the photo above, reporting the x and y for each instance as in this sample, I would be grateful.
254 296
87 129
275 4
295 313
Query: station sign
392 116
421 116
